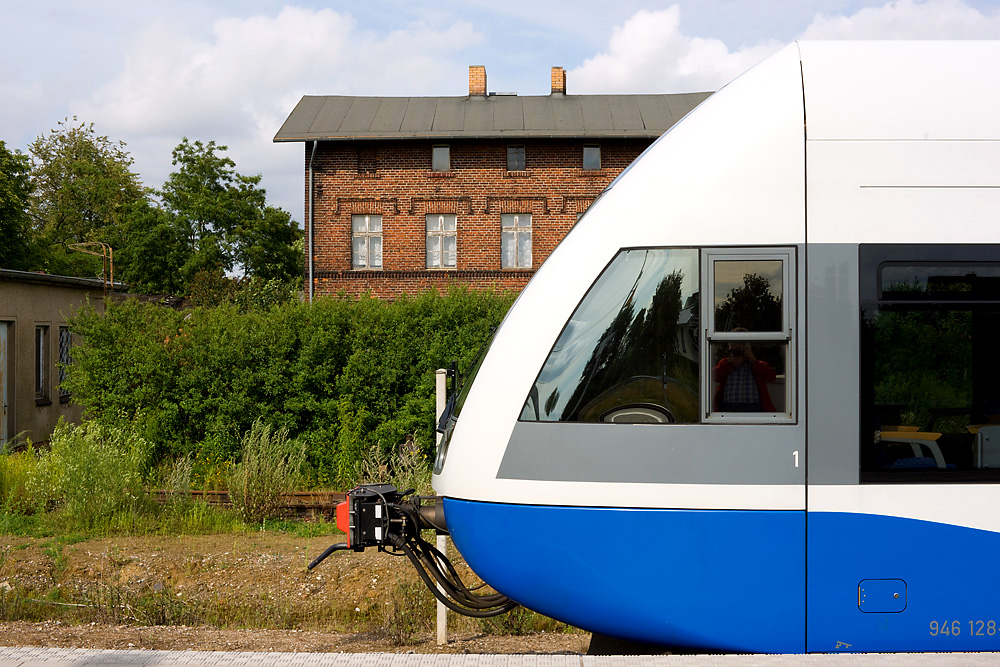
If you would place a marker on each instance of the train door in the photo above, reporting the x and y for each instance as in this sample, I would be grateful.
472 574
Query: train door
904 430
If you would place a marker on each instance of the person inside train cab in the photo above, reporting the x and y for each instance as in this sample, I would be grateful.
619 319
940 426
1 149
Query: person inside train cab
742 379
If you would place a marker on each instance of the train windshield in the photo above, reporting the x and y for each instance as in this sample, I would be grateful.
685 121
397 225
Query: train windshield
629 353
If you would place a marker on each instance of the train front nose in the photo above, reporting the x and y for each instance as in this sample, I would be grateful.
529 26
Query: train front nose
722 580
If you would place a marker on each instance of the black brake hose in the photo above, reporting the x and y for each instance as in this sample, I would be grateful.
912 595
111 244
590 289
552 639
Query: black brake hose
477 613
436 555
460 594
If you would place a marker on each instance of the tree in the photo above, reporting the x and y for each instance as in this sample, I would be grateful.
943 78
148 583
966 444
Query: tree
83 189
751 305
15 198
212 220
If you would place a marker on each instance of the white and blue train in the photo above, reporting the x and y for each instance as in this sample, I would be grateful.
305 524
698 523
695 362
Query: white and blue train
752 401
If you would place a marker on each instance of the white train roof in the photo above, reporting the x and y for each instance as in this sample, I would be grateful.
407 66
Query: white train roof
901 91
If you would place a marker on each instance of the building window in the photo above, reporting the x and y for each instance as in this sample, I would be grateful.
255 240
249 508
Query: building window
515 240
442 235
591 157
748 335
366 241
441 158
65 343
41 363
515 158
929 399
367 160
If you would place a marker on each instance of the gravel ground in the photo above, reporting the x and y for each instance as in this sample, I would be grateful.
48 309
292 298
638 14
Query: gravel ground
179 638
168 592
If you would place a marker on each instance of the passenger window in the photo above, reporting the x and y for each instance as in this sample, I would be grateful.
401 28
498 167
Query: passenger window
629 353
930 402
749 334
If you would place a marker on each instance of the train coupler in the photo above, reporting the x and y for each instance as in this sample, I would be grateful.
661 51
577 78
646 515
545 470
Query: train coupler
380 516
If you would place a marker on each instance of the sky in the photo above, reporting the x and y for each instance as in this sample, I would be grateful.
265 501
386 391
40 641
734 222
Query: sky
152 72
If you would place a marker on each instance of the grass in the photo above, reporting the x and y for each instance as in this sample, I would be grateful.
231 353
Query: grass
123 588
91 485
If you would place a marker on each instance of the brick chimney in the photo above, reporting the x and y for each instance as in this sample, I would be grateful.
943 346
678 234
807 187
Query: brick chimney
477 80
558 81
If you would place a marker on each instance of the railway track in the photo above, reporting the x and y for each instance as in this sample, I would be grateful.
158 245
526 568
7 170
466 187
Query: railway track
297 503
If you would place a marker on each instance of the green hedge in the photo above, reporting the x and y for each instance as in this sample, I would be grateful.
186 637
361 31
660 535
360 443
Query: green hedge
343 375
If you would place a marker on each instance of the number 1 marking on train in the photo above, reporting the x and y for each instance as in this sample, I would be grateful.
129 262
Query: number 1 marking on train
795 457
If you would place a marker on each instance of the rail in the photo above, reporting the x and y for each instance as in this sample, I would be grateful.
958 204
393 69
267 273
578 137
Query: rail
298 502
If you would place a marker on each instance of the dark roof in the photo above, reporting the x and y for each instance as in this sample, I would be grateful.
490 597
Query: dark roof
51 279
343 118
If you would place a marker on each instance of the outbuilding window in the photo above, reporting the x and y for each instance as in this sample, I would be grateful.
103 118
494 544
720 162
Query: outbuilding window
42 363
65 359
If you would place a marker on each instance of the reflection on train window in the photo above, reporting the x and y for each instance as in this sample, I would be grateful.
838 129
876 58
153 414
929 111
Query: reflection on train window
745 377
930 400
747 295
747 363
629 353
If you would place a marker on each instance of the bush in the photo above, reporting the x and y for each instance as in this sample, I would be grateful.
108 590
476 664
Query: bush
93 473
271 467
341 375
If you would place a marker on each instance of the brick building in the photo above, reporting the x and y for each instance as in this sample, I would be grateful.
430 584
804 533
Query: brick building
408 193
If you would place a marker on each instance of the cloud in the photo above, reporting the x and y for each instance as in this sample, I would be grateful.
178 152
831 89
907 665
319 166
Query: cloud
236 83
173 79
649 54
907 19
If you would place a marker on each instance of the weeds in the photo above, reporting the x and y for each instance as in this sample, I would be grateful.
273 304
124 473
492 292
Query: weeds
91 473
15 472
178 481
410 610
271 466
407 469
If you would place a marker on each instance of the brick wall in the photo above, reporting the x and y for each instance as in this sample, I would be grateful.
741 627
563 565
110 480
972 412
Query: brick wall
478 189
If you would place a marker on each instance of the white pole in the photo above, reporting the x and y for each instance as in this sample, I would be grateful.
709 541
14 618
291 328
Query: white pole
442 540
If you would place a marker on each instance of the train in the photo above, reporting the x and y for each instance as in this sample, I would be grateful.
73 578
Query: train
750 403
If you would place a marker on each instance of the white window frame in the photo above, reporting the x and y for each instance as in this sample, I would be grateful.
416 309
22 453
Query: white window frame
785 335
367 234
592 147
441 157
518 228
439 234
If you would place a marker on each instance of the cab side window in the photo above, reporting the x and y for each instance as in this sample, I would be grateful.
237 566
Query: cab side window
676 336
747 360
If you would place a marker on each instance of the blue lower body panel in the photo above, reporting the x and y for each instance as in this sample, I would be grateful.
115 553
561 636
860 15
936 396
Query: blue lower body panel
950 573
725 580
